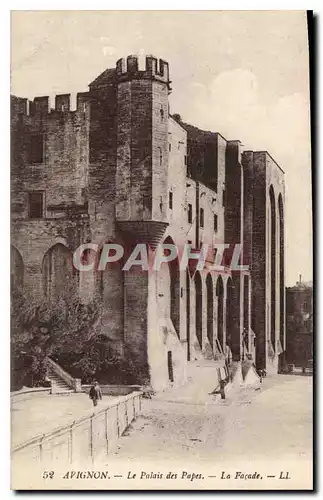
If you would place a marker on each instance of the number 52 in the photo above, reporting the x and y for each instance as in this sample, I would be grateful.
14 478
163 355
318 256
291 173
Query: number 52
48 474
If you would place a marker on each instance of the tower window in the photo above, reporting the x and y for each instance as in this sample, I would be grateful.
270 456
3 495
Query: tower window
190 213
185 160
160 156
215 223
36 147
161 114
170 201
36 205
169 147
201 217
147 201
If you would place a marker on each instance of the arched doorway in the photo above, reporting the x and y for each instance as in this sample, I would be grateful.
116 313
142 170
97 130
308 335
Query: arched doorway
273 267
229 315
175 293
220 297
198 307
246 326
188 314
59 277
209 298
281 271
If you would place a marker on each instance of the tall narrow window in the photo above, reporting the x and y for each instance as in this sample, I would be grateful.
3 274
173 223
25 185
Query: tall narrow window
190 213
36 148
160 156
146 201
36 205
170 200
215 223
201 217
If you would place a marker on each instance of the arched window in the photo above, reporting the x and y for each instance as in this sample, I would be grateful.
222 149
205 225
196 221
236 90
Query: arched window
273 266
210 326
162 113
198 307
229 315
59 276
281 270
16 269
220 293
188 314
169 289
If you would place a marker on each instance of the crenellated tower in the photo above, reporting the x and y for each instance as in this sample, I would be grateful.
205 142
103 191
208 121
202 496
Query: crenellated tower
142 148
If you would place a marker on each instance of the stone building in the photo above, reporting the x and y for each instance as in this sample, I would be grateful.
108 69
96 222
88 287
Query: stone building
120 168
299 323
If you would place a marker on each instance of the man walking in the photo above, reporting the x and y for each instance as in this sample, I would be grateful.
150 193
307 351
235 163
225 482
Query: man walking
95 393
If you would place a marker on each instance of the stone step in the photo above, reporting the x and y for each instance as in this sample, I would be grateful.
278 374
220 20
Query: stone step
60 385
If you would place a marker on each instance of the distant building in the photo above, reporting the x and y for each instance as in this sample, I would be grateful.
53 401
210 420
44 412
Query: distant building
299 323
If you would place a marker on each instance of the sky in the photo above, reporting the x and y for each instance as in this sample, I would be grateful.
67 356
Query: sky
241 73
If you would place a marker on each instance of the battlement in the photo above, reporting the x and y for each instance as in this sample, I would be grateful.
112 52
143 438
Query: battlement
40 106
156 69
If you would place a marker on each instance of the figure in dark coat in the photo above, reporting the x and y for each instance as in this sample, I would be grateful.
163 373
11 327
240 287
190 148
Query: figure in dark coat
95 393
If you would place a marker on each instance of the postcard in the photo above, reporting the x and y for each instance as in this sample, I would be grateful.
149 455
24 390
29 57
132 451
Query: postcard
161 250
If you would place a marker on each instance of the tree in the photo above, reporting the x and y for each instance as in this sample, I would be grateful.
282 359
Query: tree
40 329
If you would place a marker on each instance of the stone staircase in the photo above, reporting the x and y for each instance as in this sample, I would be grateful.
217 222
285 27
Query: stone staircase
61 381
59 386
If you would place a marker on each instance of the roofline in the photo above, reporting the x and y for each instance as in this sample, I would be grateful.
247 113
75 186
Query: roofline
207 131
266 152
177 123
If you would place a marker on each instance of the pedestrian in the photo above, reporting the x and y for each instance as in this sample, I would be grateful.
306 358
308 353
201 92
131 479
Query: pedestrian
95 393
222 386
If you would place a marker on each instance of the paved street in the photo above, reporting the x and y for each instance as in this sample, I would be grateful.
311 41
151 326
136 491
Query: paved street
272 422
263 431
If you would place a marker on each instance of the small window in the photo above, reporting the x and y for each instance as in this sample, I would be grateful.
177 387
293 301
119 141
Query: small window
170 201
161 114
147 201
201 217
169 147
160 156
185 159
190 213
36 149
215 223
36 205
